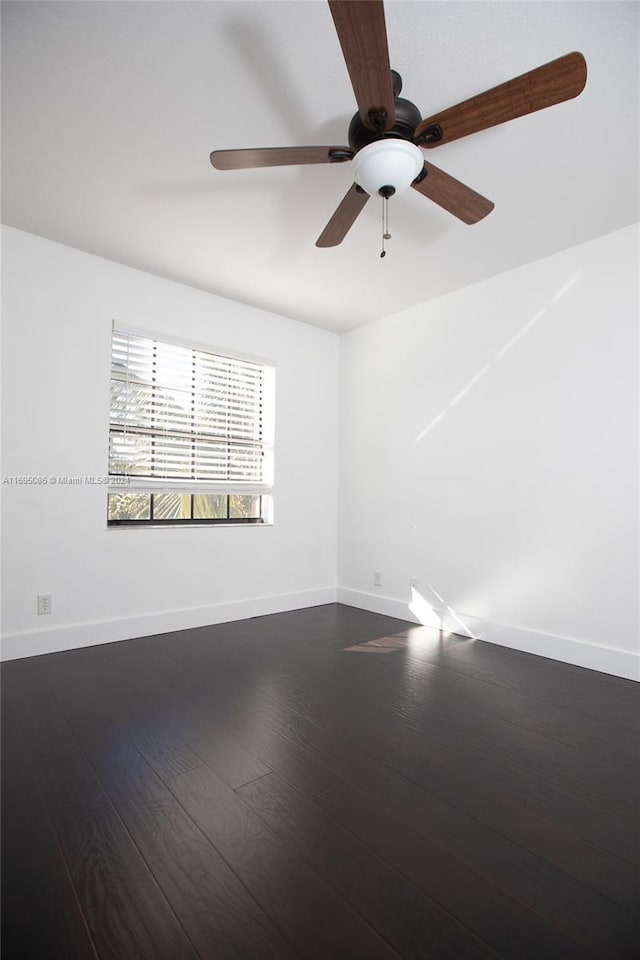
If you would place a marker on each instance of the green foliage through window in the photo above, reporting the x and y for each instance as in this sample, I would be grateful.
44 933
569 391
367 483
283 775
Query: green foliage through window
158 508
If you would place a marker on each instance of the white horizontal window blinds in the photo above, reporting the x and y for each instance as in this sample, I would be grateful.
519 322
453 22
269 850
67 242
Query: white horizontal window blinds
184 418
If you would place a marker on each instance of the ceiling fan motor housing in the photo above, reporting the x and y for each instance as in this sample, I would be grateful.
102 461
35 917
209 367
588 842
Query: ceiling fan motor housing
407 119
371 160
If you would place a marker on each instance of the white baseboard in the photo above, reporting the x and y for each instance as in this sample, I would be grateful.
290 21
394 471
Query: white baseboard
29 644
376 603
619 663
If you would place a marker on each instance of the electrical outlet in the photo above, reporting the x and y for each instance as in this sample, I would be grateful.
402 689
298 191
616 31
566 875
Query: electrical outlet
44 603
377 578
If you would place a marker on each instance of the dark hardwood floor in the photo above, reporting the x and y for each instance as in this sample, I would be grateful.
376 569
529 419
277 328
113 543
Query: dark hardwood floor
255 791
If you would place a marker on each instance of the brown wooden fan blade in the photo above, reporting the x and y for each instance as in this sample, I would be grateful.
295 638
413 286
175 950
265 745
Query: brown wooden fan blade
277 157
343 219
543 87
362 34
460 200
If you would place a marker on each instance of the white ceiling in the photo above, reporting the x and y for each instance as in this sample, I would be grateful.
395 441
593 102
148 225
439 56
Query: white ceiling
110 110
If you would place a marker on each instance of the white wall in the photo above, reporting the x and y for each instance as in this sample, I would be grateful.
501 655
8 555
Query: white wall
490 450
58 305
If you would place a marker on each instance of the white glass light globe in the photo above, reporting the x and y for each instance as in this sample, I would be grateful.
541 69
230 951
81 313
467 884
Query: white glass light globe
387 163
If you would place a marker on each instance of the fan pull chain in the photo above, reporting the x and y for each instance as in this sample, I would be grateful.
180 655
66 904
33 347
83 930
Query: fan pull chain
385 224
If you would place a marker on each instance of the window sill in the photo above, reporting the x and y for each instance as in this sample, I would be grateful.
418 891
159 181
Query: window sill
147 525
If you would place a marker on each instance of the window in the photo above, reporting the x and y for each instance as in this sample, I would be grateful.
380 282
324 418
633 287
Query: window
190 438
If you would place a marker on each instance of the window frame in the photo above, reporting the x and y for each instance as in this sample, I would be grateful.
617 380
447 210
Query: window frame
190 486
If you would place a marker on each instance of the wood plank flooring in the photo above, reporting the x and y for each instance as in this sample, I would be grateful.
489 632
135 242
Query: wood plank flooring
256 791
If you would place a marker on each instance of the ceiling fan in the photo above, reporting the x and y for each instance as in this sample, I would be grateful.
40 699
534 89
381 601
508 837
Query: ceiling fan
386 134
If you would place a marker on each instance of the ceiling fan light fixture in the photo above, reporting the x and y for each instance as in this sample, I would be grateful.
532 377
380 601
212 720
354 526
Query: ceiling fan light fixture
389 163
